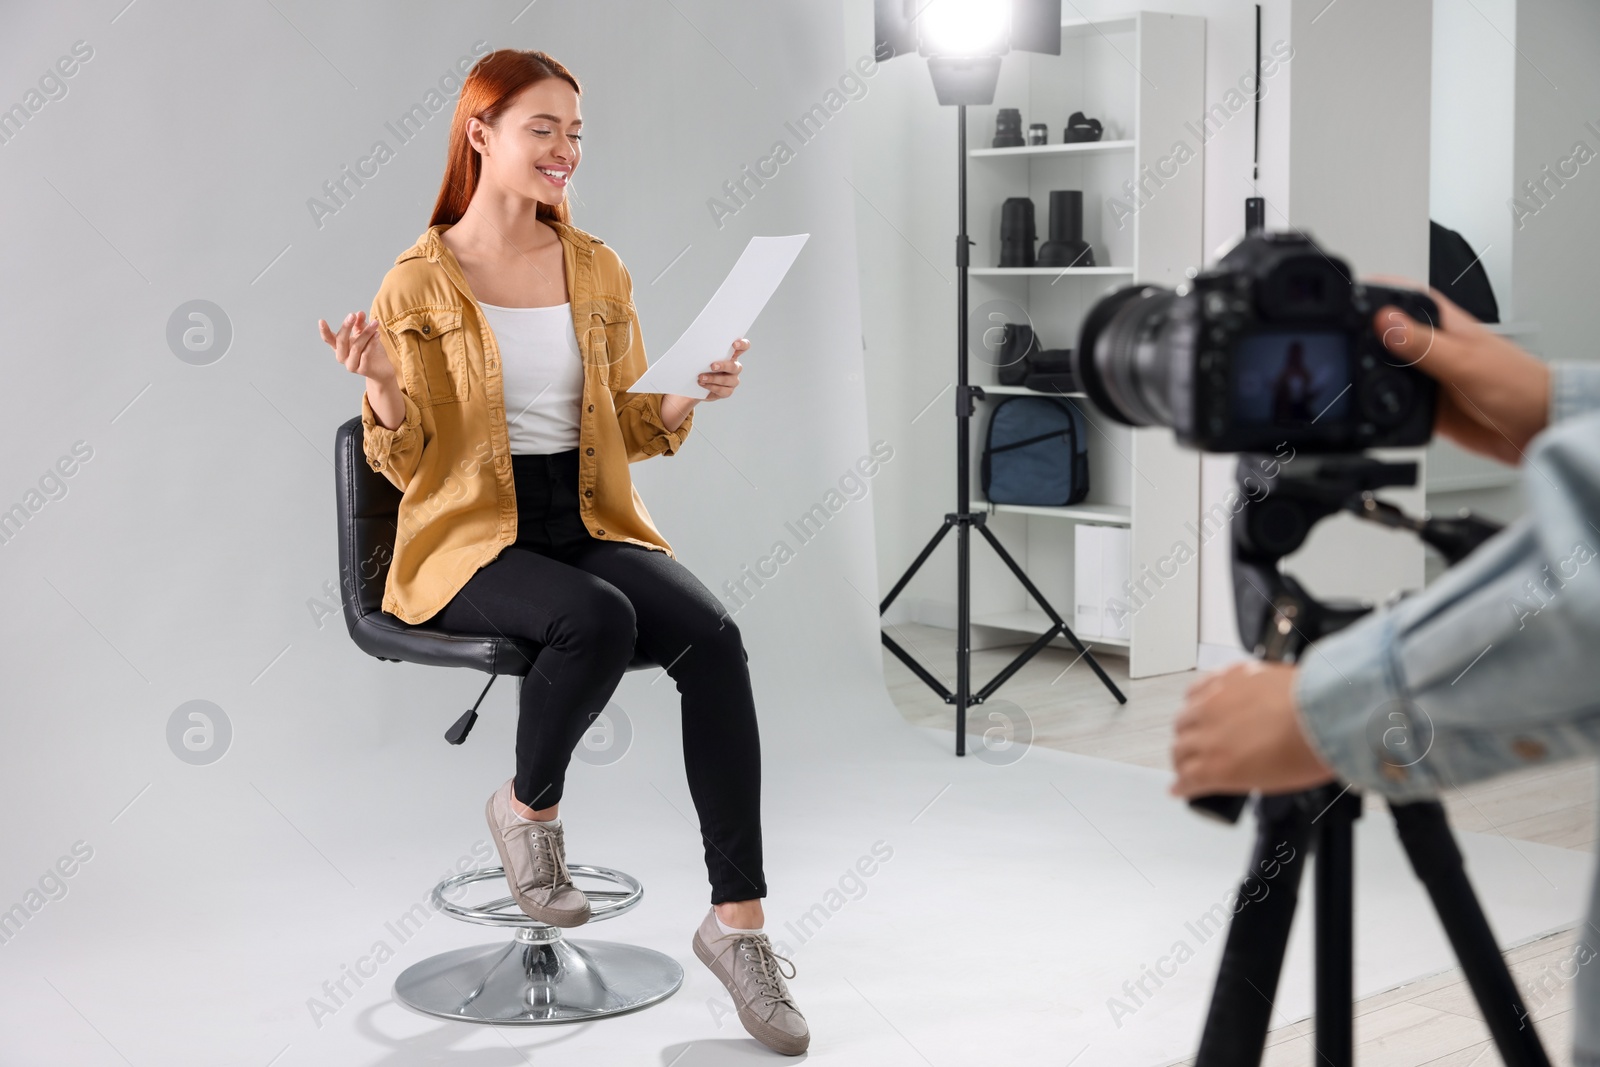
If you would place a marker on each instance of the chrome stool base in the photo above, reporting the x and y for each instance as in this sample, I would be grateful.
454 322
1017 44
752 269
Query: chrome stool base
527 983
539 976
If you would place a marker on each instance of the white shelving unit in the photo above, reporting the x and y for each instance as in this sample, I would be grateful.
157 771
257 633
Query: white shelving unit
1079 27
1053 149
1139 478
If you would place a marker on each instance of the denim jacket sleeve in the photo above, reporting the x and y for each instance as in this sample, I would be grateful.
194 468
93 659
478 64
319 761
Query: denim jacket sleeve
1574 389
639 414
1494 666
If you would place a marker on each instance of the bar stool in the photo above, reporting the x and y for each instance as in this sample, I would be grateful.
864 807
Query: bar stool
539 976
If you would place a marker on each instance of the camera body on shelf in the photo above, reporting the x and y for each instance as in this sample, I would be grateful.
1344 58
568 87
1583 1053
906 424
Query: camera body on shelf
1274 345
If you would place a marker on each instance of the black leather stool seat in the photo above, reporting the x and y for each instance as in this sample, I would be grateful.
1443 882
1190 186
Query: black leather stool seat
367 507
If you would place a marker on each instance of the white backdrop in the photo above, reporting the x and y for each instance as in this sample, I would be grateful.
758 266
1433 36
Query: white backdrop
191 555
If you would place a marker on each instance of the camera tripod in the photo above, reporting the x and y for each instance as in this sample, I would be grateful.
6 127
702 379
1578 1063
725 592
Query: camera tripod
1281 618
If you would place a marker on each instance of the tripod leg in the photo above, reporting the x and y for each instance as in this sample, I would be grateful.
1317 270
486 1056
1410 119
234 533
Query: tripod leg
1252 958
1335 931
1432 849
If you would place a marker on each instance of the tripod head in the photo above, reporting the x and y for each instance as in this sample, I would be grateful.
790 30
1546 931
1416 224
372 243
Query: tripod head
1277 617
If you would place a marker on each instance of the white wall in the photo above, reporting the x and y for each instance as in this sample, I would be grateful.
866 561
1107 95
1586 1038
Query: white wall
1474 118
1473 156
1514 93
1344 153
1357 182
1557 96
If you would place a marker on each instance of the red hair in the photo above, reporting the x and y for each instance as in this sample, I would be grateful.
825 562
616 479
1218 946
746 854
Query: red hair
490 86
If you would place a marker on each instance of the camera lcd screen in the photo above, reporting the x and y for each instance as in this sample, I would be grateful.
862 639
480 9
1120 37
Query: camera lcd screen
1291 378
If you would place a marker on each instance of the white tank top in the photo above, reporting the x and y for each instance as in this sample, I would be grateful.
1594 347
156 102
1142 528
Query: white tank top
542 372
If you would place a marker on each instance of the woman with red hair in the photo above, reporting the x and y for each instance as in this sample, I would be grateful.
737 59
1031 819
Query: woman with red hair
498 404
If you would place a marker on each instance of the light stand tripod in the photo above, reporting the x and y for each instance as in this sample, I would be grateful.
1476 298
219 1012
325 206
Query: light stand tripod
1281 619
963 520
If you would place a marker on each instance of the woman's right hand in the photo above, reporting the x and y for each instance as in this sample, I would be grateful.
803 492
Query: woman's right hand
357 347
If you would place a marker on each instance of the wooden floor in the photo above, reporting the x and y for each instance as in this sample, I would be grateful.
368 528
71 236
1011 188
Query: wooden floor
1431 1022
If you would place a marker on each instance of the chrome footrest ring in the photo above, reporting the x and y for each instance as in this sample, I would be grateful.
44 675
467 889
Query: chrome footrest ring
618 893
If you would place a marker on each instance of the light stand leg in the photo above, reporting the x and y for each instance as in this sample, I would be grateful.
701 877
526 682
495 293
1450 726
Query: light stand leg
1060 624
963 474
894 646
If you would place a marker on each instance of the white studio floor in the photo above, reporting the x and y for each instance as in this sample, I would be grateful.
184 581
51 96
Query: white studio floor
1016 901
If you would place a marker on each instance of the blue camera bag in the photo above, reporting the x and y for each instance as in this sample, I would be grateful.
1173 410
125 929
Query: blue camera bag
1036 452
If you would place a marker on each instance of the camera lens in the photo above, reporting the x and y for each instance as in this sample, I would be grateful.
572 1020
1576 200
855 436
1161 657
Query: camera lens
1121 357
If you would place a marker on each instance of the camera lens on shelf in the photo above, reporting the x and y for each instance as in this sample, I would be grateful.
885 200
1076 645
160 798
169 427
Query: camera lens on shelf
1008 128
1066 247
1080 129
1017 234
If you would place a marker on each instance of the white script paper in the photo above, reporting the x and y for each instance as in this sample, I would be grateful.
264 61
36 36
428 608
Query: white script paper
737 302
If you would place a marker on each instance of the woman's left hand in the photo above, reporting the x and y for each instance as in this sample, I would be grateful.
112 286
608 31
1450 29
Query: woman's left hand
1239 729
723 378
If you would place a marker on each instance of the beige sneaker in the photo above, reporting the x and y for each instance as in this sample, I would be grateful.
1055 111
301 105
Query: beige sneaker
748 967
535 859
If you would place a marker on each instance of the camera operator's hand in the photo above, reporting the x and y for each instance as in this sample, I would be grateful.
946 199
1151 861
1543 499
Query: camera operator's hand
1238 730
1494 397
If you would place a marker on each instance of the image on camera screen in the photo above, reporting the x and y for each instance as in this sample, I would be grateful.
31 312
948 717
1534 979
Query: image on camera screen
1291 378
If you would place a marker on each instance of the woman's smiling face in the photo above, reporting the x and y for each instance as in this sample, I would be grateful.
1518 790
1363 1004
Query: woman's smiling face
537 144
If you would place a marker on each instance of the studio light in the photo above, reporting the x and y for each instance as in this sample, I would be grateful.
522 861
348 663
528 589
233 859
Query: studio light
964 28
964 42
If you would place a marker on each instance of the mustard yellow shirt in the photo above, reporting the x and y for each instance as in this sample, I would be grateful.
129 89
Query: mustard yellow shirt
451 457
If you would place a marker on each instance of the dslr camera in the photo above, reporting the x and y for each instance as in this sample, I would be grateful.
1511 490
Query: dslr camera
1274 345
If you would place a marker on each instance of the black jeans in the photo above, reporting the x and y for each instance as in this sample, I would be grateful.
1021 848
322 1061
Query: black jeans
588 602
